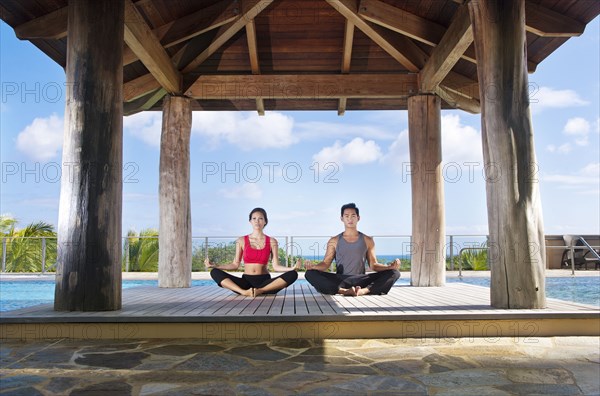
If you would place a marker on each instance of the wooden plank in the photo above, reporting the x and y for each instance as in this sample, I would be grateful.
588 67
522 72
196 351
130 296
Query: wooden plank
346 59
453 44
314 86
140 39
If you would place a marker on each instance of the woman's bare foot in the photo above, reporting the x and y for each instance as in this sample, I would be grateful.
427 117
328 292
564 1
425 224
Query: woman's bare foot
361 292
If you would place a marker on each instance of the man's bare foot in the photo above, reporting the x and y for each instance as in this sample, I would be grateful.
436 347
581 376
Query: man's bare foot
257 292
248 292
347 292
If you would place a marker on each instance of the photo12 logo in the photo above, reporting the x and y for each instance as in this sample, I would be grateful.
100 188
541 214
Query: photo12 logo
53 172
254 172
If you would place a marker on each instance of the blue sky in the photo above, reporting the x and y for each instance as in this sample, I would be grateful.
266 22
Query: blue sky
302 166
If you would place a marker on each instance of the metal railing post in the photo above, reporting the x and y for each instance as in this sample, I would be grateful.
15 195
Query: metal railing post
451 253
287 250
572 249
127 254
3 254
43 255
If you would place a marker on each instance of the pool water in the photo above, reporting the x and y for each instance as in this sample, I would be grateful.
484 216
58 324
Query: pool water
21 294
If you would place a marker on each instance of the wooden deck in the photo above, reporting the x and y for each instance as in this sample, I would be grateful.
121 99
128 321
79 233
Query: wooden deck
456 310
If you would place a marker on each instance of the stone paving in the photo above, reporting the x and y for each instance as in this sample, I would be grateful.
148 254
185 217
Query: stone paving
475 366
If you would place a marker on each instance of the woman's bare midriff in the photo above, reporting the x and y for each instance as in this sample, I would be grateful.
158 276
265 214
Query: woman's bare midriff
255 269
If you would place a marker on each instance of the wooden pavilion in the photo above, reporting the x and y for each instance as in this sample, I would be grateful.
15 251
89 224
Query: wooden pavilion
179 56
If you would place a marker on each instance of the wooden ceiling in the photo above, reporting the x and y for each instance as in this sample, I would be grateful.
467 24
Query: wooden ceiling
299 54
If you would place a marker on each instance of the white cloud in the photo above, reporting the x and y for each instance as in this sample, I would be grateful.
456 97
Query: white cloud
245 191
587 179
246 130
146 126
42 139
460 144
578 127
355 152
562 149
546 97
317 130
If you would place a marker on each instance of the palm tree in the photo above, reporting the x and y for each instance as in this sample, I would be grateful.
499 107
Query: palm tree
24 248
143 250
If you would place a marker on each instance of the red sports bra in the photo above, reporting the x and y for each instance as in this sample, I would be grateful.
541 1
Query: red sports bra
257 256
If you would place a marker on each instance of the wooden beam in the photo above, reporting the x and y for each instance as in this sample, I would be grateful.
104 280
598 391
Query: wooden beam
143 103
342 106
49 26
456 40
349 8
346 59
254 64
139 87
547 23
457 100
145 45
251 10
304 86
199 22
348 40
401 21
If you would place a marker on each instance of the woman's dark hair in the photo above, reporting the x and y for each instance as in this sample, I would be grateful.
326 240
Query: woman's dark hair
261 211
349 206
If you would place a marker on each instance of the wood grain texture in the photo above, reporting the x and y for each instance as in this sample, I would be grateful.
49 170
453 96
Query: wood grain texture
89 226
516 232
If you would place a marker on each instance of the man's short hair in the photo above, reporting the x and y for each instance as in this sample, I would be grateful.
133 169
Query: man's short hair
351 205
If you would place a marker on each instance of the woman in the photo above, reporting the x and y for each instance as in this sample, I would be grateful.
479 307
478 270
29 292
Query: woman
254 249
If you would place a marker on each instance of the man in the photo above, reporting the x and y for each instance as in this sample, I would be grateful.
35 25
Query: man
350 249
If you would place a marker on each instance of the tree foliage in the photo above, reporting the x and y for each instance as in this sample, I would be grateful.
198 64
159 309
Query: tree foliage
25 247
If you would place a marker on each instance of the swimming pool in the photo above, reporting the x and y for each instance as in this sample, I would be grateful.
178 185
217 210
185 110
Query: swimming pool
21 294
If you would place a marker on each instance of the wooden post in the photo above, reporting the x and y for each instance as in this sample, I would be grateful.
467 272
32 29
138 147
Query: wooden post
88 275
428 257
517 246
175 227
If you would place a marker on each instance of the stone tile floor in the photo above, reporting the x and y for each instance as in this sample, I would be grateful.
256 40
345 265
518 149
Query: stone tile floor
467 366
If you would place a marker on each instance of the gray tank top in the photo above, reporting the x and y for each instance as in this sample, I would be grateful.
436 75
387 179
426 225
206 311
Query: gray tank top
350 257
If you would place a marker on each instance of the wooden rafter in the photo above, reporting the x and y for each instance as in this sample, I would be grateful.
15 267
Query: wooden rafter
254 7
190 26
304 86
254 64
346 59
49 26
401 21
145 45
453 44
348 8
547 23
407 24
